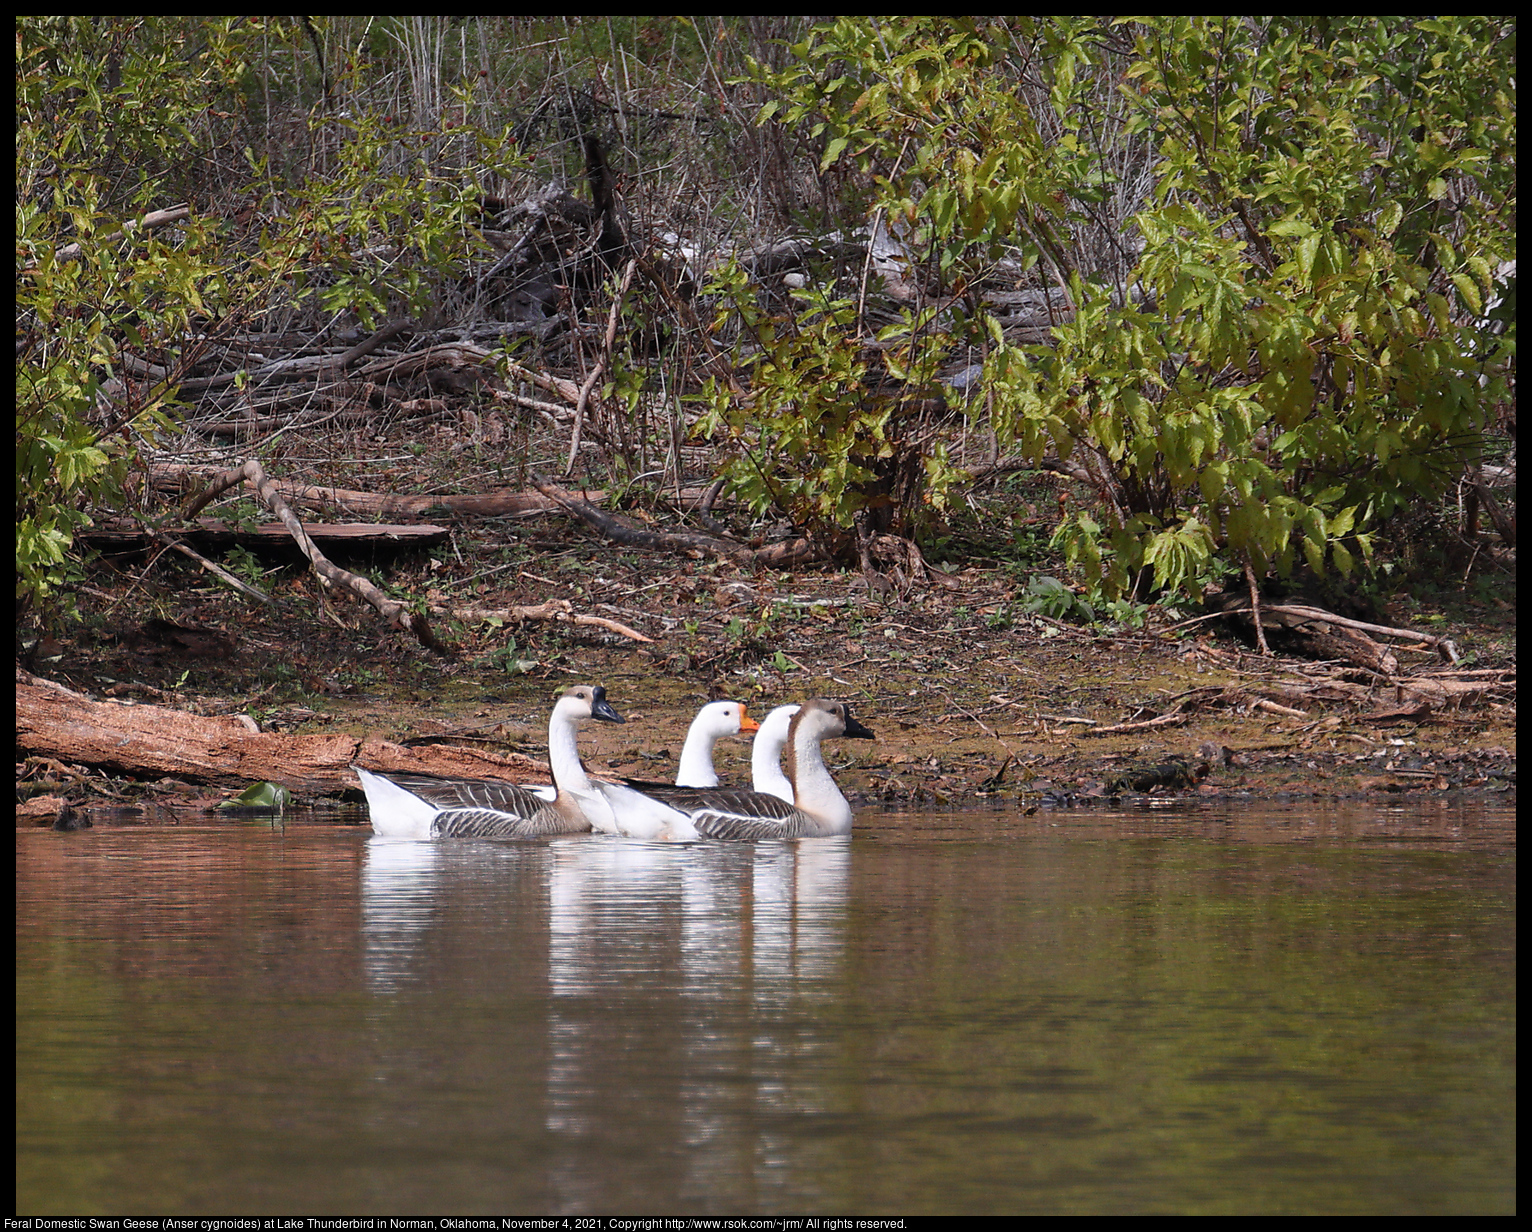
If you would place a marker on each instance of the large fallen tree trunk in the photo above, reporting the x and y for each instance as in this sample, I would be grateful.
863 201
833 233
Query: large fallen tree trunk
123 533
156 741
503 502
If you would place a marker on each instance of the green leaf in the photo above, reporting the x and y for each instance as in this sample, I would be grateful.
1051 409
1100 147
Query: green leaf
1292 227
1469 290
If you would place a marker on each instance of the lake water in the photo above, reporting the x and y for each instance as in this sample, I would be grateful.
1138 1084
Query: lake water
1187 1011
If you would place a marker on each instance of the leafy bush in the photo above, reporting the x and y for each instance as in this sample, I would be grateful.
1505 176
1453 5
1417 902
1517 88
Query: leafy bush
1306 218
105 111
110 317
1333 199
823 428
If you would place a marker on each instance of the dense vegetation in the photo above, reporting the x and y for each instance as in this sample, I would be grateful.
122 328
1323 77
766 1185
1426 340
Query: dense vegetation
1277 254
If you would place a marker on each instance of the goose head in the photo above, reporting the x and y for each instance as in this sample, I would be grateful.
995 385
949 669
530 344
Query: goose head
586 701
579 702
718 719
713 722
822 719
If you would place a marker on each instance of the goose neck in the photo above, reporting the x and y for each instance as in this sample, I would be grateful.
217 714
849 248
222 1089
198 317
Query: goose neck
564 754
766 755
814 791
696 768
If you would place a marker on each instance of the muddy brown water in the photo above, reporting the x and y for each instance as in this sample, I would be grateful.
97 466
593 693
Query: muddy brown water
1198 1010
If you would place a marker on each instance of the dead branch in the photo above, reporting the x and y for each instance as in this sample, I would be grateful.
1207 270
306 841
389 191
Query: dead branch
217 570
601 365
1255 610
1271 707
704 509
368 345
551 412
567 390
620 530
155 218
328 574
413 363
1174 719
558 610
1443 646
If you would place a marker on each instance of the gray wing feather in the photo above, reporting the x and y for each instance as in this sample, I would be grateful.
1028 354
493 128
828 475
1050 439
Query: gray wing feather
486 823
746 830
489 794
738 814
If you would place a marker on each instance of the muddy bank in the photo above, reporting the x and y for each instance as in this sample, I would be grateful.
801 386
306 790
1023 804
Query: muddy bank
972 697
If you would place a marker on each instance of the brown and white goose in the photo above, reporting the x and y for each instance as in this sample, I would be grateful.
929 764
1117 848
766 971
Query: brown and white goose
428 806
817 810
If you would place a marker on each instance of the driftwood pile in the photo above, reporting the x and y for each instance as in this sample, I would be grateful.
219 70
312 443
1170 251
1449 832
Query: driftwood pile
556 256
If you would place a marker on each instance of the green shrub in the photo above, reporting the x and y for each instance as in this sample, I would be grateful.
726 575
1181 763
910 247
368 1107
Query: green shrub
1296 349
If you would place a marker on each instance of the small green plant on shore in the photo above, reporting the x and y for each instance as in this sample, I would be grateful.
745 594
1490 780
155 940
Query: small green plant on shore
1124 613
1047 596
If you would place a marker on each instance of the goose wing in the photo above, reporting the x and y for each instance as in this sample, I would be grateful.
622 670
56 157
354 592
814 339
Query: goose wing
488 823
425 806
492 795
738 814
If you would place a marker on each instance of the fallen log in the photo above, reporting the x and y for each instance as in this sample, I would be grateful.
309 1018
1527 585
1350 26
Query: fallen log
1443 646
1329 636
123 533
157 741
620 530
503 502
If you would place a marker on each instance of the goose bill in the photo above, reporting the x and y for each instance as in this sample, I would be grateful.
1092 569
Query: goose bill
856 728
600 708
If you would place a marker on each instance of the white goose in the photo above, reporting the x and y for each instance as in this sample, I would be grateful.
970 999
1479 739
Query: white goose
427 806
713 722
629 808
766 754
817 810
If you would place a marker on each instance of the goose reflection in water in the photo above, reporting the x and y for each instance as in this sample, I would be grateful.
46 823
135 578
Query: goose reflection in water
665 951
769 914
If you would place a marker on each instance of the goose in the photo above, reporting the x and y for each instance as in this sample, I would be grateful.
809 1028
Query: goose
713 722
817 810
766 754
428 806
624 808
